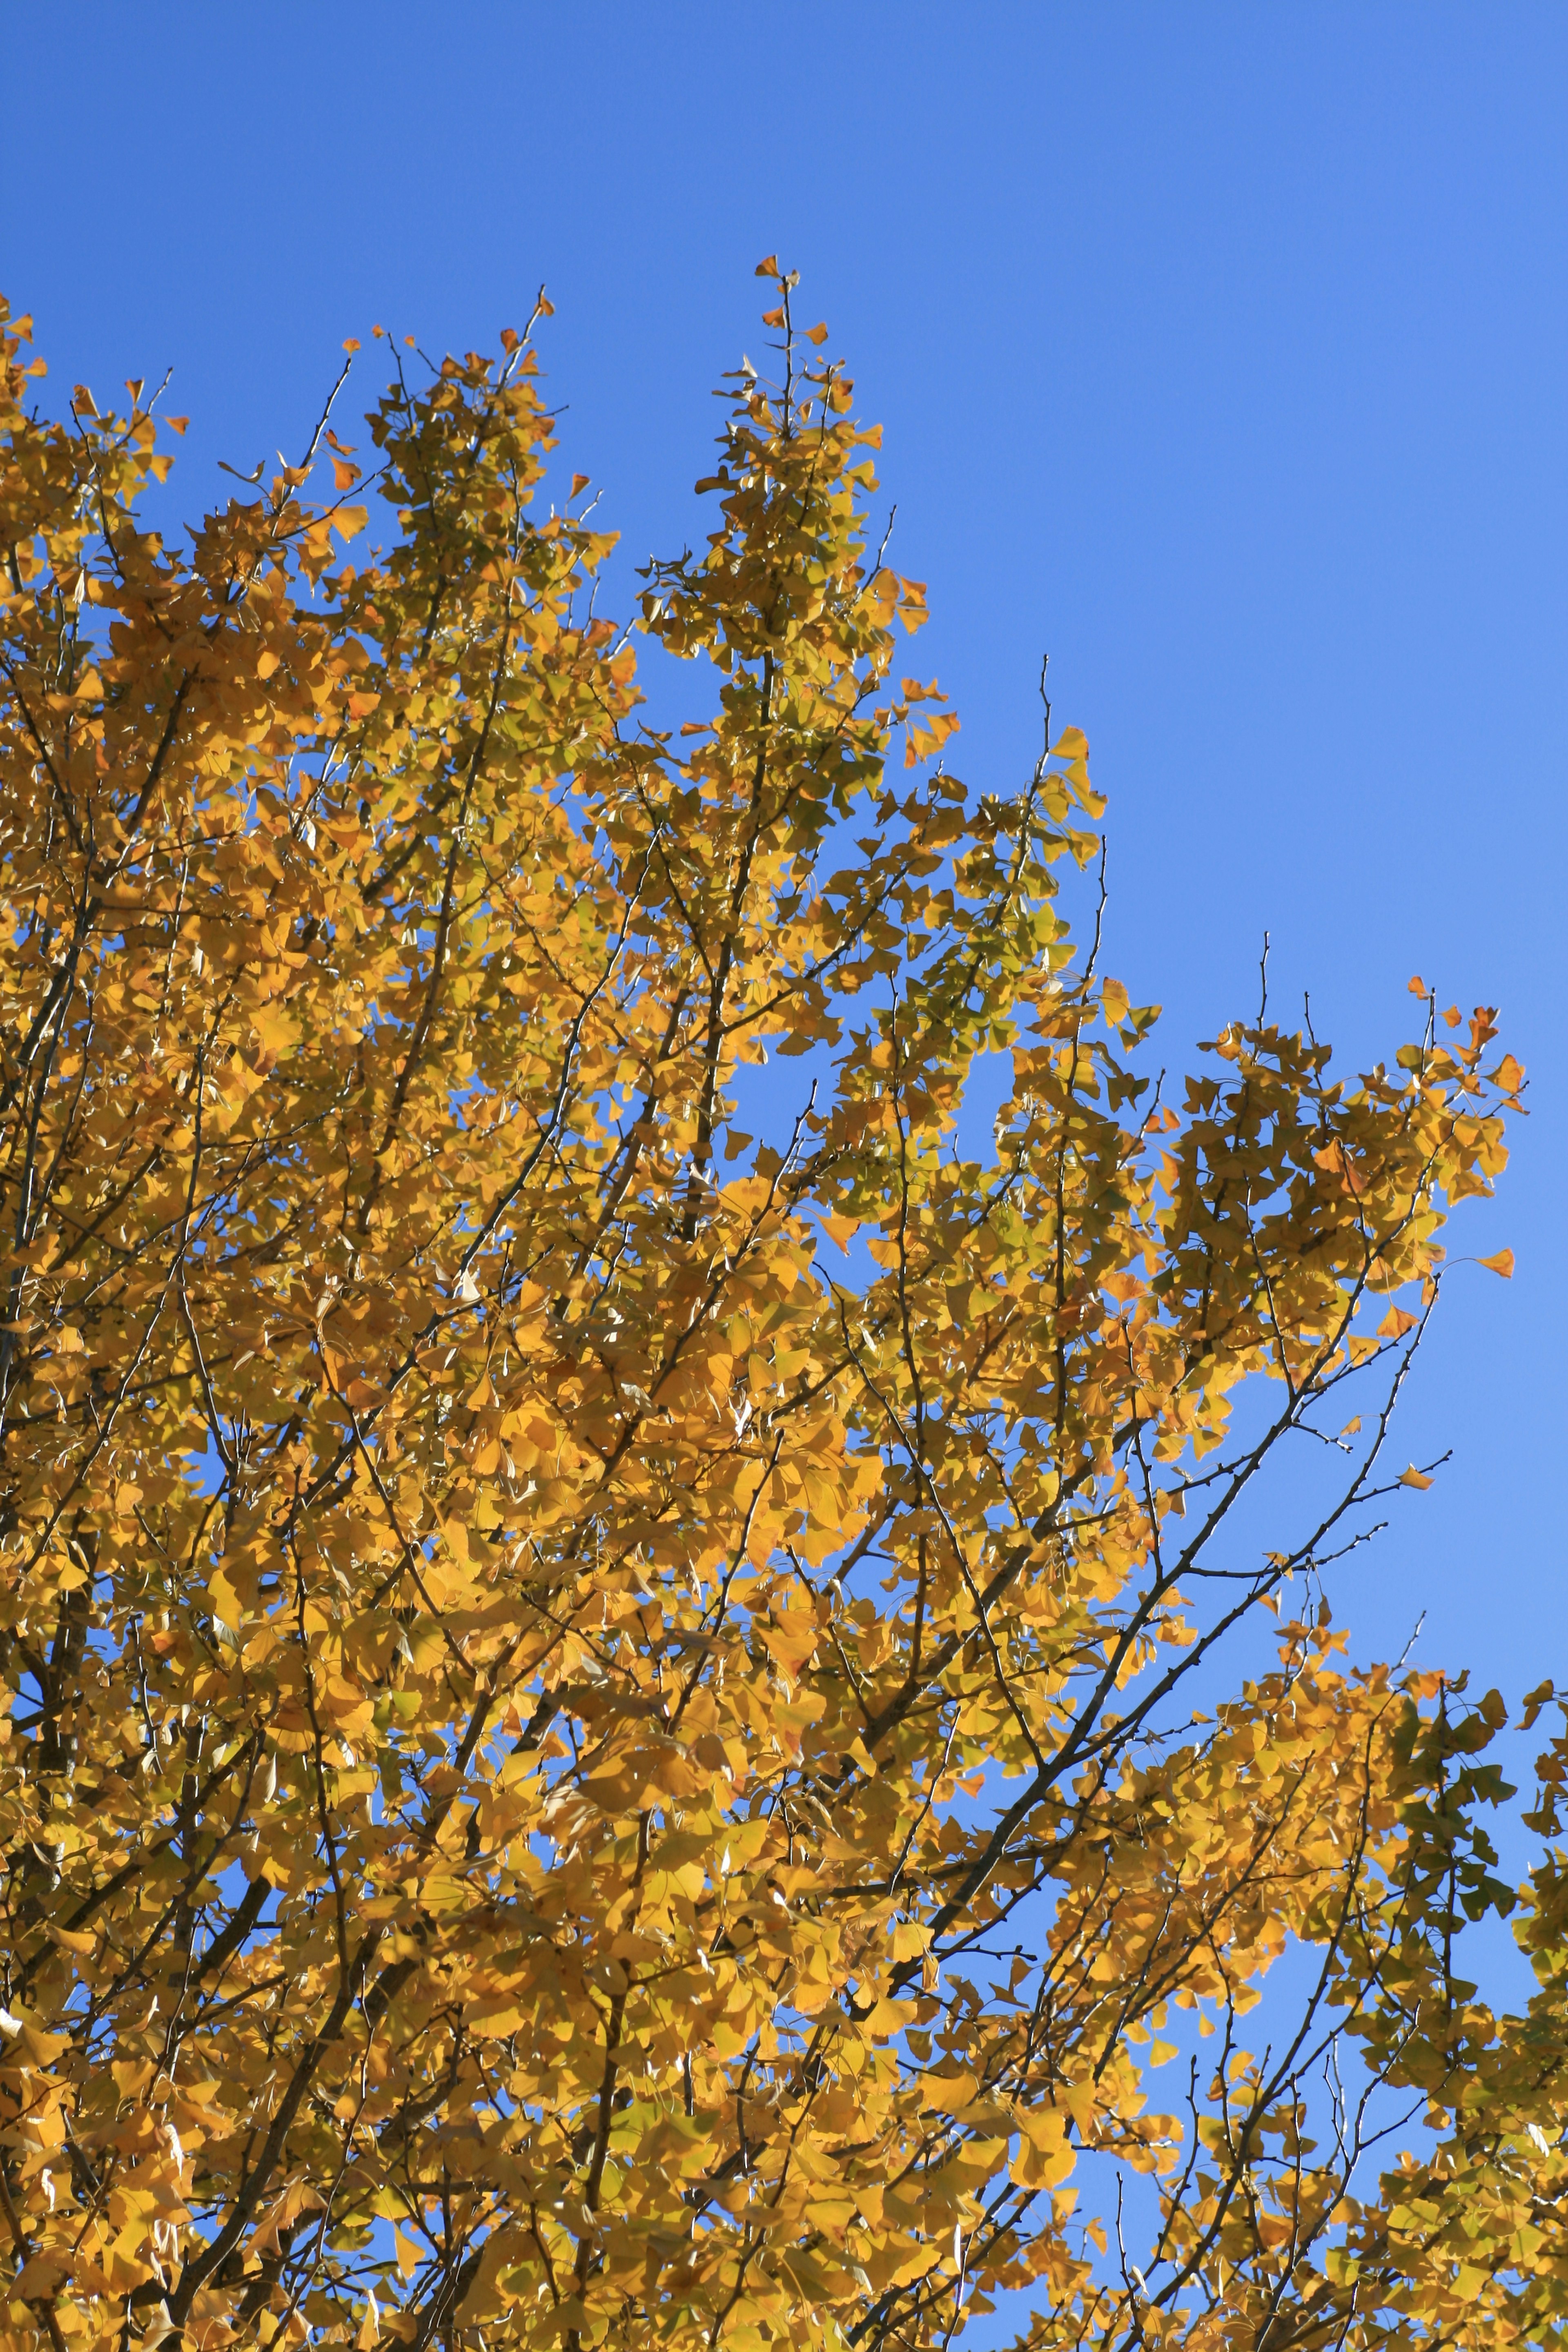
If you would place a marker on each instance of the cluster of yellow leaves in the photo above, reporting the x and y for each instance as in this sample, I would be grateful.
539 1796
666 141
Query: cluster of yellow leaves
532 1699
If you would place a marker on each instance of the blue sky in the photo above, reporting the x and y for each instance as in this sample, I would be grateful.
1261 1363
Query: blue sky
1221 353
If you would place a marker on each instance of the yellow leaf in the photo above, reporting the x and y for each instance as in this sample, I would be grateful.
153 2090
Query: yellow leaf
949 2093
1414 1478
223 1600
1502 1263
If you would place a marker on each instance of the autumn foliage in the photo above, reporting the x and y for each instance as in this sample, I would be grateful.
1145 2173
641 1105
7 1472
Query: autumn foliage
621 1730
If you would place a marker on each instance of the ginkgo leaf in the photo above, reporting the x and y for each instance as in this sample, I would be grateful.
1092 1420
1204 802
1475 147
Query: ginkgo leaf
588 1761
1501 1262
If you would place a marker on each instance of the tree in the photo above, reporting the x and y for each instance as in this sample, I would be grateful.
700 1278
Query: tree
602 1739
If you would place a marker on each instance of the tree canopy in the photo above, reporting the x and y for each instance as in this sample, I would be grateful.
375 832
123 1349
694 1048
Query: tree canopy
619 1730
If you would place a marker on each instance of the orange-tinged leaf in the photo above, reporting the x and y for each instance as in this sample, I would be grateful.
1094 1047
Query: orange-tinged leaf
1501 1262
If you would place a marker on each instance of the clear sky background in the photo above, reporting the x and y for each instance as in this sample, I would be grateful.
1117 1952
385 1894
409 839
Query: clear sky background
1221 353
